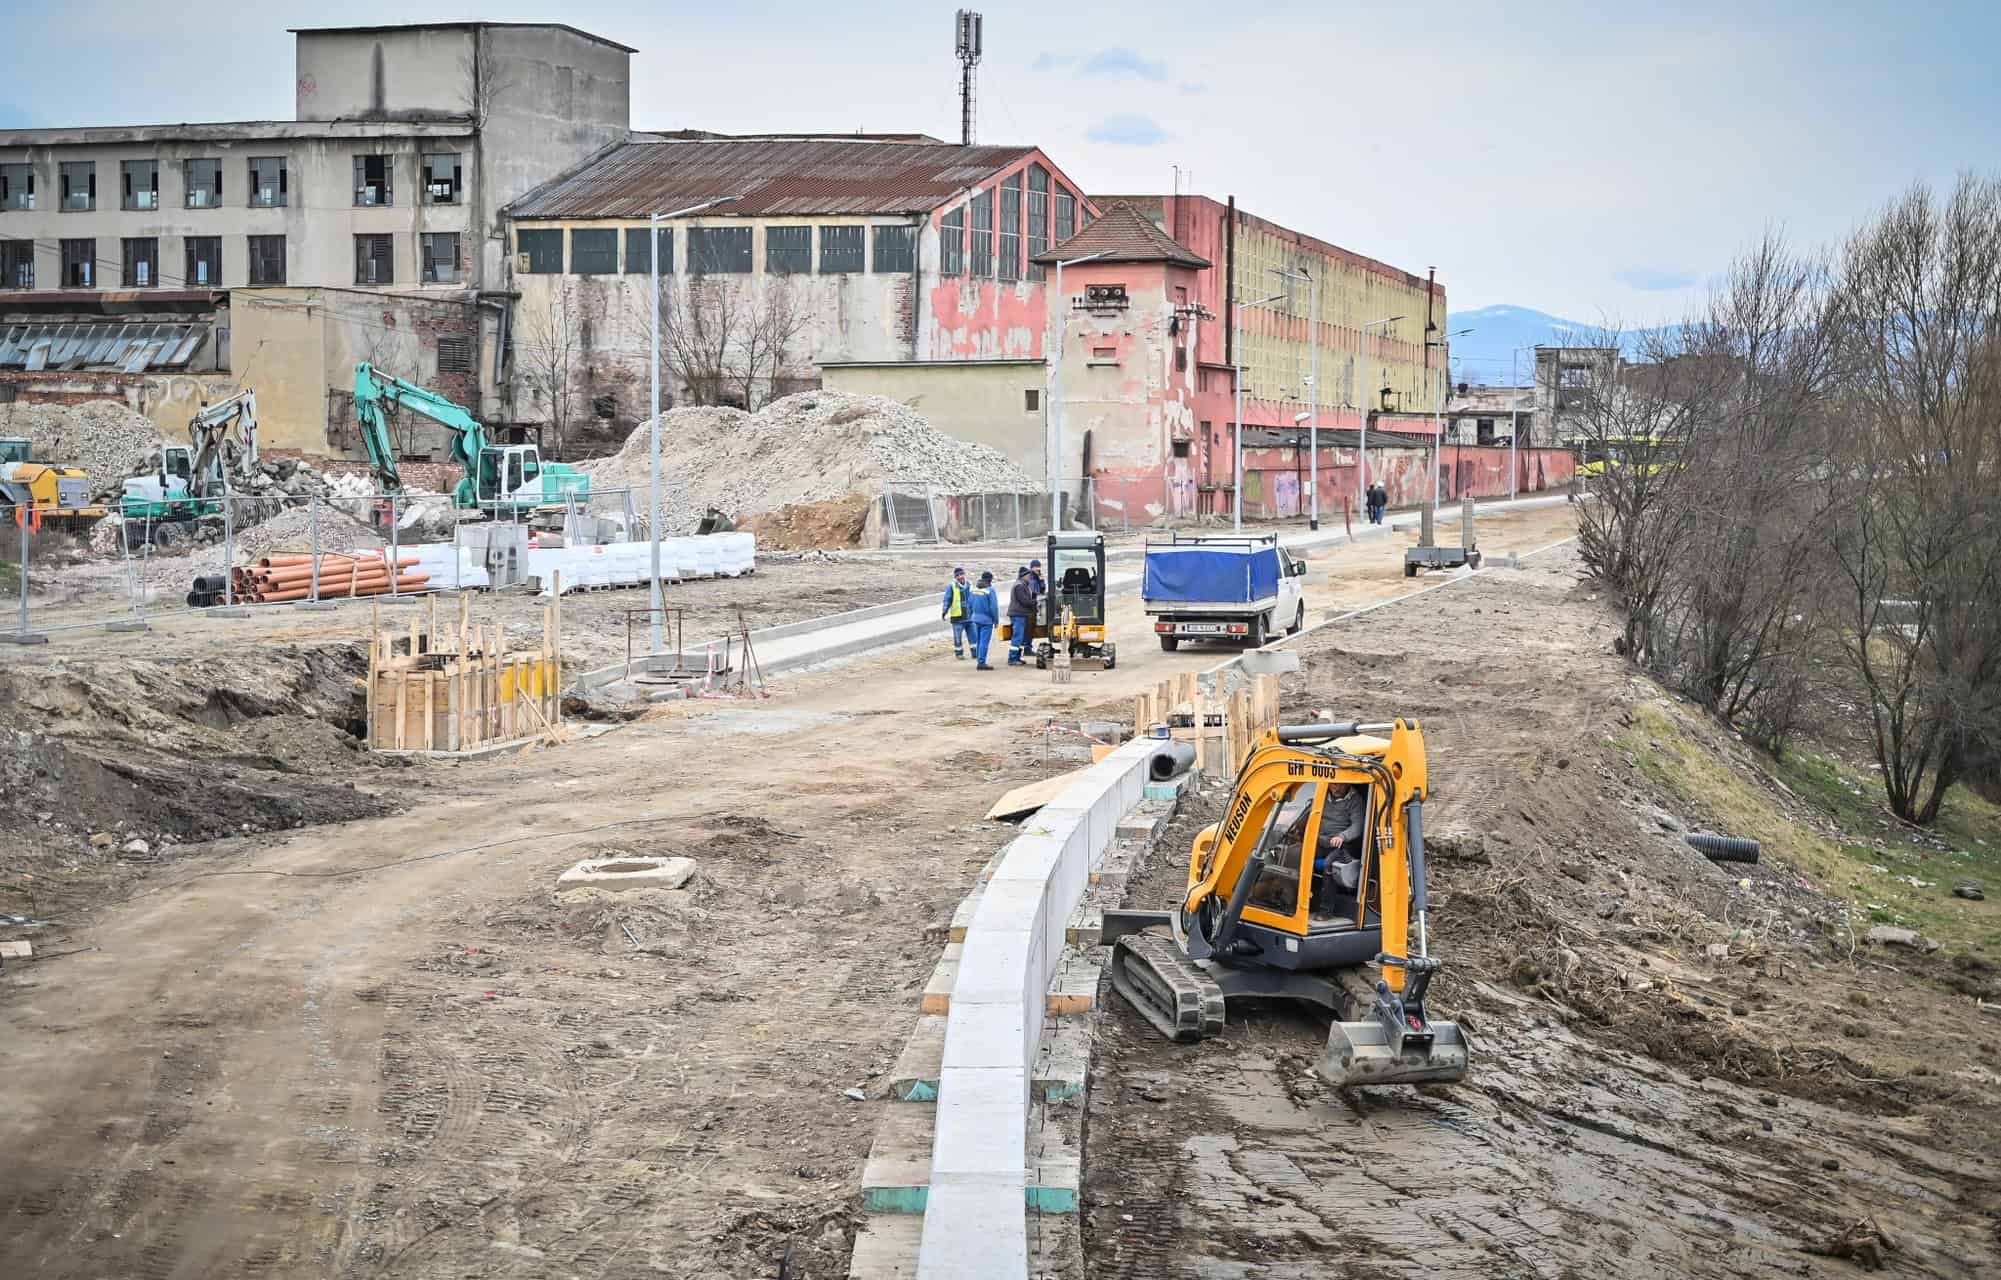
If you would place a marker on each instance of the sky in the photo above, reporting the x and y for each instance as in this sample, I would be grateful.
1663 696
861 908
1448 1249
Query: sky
1603 170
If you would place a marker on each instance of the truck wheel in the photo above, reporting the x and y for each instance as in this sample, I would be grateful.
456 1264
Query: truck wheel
1298 620
1168 644
1256 639
1409 569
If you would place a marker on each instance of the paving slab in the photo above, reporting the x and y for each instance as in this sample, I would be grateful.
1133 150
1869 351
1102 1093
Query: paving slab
886 1247
897 1176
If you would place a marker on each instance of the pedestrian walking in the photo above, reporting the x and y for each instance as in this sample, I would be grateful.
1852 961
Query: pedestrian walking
984 609
1379 498
1020 615
952 608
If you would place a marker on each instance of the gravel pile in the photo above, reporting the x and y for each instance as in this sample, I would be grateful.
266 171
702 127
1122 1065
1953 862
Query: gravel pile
811 447
104 437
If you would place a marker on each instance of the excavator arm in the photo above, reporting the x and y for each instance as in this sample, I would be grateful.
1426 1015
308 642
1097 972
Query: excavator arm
210 427
374 391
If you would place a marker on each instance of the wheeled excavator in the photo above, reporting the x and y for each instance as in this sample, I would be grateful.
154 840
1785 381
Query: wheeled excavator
190 481
1282 905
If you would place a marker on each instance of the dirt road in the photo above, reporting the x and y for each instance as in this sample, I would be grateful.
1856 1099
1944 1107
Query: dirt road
387 1048
1764 1108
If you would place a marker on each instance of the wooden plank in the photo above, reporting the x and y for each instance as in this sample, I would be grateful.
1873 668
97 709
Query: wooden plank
374 653
430 684
1235 721
556 654
402 687
1029 797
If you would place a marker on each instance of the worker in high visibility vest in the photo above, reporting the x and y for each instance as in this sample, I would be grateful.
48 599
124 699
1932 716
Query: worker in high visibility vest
953 608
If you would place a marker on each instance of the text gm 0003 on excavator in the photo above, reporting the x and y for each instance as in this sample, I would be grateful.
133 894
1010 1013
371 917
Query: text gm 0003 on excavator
1316 869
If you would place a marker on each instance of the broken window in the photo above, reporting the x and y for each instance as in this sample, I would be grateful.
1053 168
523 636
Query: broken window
372 181
267 182
142 184
538 253
203 179
1576 376
441 179
454 355
718 251
79 263
841 250
441 257
204 262
788 251
952 243
640 262
142 262
267 259
17 264
79 184
17 186
1066 216
983 234
594 252
374 259
1038 217
1008 260
895 250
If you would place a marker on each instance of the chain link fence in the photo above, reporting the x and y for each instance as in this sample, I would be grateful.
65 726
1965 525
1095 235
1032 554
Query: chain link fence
915 514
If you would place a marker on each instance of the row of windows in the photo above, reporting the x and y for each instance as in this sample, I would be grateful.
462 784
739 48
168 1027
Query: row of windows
138 263
721 250
967 234
267 183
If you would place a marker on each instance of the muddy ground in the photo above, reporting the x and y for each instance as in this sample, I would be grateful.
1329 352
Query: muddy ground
1786 1105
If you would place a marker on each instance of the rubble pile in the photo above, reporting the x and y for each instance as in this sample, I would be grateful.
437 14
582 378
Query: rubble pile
813 447
107 438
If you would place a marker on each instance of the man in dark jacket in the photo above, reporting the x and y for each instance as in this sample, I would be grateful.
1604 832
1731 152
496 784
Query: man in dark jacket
1020 615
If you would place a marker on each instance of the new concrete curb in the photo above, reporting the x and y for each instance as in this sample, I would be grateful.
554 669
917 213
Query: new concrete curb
975 1214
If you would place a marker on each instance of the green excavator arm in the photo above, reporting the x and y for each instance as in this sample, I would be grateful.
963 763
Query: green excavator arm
373 391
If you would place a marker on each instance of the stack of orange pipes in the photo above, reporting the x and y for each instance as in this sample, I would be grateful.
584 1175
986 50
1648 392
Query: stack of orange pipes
275 579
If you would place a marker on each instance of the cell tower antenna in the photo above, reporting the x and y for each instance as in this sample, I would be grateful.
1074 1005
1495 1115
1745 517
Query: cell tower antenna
968 45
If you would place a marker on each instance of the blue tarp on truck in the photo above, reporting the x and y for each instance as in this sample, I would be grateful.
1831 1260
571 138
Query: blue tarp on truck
1243 574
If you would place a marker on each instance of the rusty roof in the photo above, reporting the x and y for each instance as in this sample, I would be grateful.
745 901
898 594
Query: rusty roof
1123 234
767 176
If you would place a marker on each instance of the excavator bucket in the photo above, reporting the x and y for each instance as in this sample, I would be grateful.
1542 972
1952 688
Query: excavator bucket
1361 1053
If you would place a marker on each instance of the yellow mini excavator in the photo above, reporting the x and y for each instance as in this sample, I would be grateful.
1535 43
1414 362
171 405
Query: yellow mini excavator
1316 869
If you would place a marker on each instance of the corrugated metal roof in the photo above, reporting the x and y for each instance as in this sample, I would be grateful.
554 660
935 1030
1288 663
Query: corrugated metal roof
134 348
767 177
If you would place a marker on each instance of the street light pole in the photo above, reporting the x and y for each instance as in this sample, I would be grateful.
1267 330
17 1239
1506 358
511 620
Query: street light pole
1438 415
1312 381
1362 460
1052 435
1515 416
653 221
1237 474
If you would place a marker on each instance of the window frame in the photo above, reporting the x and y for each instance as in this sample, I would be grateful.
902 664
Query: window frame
191 250
250 177
259 248
544 248
1038 219
1007 245
12 201
374 239
602 239
429 182
14 256
388 159
190 183
952 243
980 253
789 260
835 251
882 244
87 259
67 169
127 197
426 242
707 244
638 262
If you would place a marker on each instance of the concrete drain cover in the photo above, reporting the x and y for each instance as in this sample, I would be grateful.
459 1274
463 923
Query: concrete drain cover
628 873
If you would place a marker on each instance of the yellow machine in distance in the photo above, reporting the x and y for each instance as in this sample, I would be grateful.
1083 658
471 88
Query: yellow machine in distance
43 491
1316 869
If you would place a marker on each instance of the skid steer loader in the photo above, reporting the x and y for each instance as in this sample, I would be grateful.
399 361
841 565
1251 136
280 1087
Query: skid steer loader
1277 908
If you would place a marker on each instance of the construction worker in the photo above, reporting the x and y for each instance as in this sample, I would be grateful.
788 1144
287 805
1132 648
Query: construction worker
984 609
953 608
1020 615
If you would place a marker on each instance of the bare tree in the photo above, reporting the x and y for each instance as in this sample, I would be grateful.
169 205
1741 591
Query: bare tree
1916 481
548 354
728 341
772 327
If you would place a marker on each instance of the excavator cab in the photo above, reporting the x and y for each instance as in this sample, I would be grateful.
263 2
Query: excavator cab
1276 909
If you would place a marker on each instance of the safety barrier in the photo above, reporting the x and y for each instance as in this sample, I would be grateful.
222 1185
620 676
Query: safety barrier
975 1218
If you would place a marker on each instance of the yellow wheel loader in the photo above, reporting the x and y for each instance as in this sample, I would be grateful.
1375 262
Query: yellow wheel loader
1316 870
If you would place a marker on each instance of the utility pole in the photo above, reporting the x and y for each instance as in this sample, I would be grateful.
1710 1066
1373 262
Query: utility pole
967 44
1438 413
1368 398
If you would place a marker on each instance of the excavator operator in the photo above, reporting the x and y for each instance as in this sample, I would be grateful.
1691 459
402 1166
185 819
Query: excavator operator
1341 823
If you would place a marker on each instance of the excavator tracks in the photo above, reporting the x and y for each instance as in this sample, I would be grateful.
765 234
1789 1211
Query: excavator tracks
1175 995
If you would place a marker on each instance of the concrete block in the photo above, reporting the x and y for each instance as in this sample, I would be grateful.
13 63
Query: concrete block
983 1035
1062 1059
962 915
1135 826
1010 906
1075 988
997 966
886 1247
17 950
1115 866
982 1120
974 1230
914 1078
1029 856
897 1174
1259 662
1085 928
1055 1159
628 873
1169 790
938 991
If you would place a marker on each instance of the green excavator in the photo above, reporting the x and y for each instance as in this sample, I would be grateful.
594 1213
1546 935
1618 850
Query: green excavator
501 481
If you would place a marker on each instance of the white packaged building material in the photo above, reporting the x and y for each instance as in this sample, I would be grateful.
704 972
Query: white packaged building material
624 564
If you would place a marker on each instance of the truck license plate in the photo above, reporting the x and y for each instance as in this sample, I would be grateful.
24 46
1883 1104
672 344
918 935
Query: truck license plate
1201 628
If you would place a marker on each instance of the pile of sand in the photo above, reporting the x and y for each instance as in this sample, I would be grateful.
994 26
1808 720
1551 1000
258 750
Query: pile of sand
813 447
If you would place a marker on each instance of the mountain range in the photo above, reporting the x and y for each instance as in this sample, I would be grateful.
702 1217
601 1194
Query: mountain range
1483 355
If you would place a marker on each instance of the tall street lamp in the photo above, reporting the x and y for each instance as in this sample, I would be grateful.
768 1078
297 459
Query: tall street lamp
1052 441
1237 498
1312 380
653 437
1438 415
1515 413
1368 397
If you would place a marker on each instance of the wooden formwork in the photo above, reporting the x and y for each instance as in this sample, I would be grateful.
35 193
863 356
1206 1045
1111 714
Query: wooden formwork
1222 728
459 687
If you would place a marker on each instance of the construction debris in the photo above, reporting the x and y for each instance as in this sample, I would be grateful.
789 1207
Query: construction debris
813 447
107 438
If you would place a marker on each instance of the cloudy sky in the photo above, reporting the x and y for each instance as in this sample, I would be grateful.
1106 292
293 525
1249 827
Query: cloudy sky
1598 170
